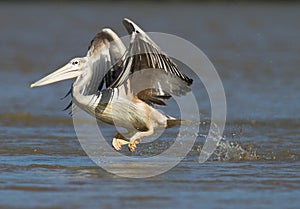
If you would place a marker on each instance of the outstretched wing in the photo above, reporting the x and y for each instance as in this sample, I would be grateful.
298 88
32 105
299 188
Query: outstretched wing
152 75
105 53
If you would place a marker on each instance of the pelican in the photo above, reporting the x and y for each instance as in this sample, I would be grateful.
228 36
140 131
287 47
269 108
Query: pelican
121 86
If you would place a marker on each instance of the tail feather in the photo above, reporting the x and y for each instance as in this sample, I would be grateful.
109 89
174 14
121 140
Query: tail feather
176 122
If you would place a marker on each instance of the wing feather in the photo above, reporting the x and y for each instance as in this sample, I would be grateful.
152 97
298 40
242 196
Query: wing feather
152 75
105 54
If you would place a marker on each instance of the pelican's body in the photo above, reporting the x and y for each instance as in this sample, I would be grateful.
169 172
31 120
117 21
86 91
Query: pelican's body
136 79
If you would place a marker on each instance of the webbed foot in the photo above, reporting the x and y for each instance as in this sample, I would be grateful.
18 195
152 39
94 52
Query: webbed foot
118 143
132 144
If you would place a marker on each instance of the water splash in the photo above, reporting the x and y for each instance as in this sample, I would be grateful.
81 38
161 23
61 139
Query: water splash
229 150
233 151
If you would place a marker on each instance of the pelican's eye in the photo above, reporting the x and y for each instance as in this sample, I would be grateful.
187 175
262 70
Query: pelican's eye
75 62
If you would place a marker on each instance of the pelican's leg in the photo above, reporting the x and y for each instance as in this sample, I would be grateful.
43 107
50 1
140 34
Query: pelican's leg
136 138
119 140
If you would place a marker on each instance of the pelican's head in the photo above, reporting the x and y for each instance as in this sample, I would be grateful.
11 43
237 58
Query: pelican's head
72 69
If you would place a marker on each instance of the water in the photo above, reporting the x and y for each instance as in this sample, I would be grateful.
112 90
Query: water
254 47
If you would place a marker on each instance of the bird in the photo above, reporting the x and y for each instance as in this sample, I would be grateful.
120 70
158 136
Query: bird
123 86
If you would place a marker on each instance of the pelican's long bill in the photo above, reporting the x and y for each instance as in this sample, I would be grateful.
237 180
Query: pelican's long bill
66 72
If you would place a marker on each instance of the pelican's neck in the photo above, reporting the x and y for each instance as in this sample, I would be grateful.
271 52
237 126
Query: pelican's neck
79 91
87 103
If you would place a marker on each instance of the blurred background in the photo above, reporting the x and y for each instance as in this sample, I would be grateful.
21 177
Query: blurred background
254 46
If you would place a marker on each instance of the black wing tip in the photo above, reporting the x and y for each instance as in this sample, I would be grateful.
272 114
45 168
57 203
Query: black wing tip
67 94
68 106
131 27
128 25
189 81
